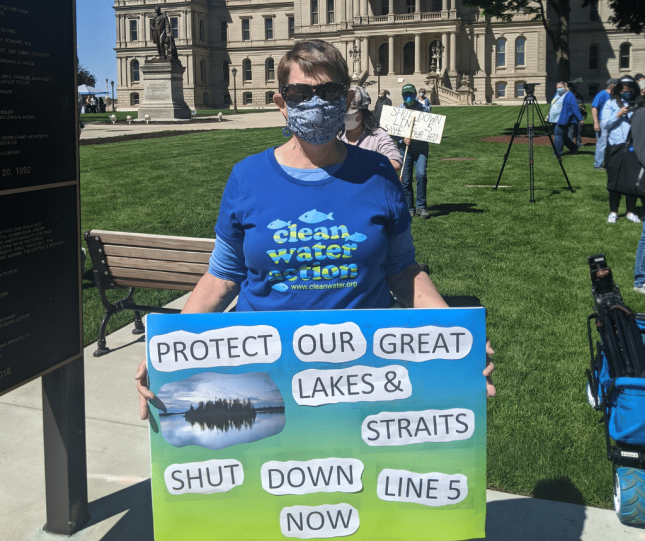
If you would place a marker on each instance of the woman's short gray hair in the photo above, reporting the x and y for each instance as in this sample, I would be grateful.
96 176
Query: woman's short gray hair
314 56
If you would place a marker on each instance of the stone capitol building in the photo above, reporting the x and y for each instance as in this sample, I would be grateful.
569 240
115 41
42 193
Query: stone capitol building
491 57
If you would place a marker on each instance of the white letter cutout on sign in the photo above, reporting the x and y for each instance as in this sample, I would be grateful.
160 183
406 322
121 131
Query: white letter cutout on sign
408 427
321 522
230 346
319 475
204 477
397 121
433 489
355 384
422 343
325 343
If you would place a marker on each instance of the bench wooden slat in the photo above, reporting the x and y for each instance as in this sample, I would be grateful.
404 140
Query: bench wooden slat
154 253
154 241
133 282
158 276
157 265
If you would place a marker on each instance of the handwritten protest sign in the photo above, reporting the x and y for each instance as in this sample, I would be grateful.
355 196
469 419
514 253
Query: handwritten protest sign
314 425
427 127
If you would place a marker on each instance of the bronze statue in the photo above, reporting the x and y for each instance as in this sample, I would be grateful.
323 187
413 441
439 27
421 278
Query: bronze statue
162 35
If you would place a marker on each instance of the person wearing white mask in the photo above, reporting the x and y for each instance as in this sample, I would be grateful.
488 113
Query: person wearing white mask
362 129
423 100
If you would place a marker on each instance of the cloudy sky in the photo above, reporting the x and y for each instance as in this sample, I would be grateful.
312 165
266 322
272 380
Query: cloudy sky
256 386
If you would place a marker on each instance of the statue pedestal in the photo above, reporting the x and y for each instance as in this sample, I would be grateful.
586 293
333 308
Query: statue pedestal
163 90
432 81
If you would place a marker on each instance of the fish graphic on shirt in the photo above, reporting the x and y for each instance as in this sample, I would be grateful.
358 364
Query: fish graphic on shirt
281 287
357 237
278 224
315 217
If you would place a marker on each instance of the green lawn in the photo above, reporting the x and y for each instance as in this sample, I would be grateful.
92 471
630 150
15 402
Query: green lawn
526 263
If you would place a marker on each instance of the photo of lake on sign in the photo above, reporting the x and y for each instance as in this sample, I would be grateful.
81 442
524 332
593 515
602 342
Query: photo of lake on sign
216 411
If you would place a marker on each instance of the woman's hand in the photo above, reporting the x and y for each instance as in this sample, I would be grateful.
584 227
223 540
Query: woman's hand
622 112
145 394
407 141
488 371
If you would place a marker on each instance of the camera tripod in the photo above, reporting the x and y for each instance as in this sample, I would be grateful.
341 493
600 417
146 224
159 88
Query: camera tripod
530 105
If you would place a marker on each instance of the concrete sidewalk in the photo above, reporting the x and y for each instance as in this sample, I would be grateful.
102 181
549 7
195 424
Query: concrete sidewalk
269 119
118 464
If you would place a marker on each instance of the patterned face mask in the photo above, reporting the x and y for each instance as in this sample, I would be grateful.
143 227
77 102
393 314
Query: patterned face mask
317 121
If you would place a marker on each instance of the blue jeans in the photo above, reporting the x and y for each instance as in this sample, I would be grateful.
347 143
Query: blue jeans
639 267
601 144
575 134
419 158
561 138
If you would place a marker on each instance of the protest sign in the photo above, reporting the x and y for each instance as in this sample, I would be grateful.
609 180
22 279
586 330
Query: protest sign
314 425
397 121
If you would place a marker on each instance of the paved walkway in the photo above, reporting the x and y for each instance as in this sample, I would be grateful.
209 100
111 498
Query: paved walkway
230 122
119 467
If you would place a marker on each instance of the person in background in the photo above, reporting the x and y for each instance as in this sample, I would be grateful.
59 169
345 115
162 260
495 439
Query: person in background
616 122
423 100
382 100
417 157
638 139
596 112
641 85
639 77
564 111
362 129
575 129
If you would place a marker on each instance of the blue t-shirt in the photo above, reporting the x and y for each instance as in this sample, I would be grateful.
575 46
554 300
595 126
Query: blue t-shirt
599 102
314 244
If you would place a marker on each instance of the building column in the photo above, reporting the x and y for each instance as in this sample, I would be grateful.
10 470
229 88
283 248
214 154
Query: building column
417 6
356 6
446 51
453 53
189 23
322 13
390 7
363 8
365 55
339 15
445 6
390 55
417 53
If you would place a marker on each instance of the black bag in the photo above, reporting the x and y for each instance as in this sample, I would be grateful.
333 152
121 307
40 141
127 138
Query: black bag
625 174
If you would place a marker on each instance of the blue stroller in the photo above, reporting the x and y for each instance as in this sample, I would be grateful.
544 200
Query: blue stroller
617 389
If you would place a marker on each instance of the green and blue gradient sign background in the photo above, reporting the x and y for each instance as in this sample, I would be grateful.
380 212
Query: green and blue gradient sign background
248 512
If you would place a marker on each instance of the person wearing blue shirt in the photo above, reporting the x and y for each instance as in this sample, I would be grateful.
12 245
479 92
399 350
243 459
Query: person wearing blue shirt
569 113
596 112
616 121
423 100
417 157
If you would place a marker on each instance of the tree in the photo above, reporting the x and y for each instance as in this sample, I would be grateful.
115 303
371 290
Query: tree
84 76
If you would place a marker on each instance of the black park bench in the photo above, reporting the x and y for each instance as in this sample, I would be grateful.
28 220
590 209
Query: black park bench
135 260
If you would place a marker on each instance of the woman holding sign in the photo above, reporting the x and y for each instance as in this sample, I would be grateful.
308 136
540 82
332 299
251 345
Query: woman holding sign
315 224
362 129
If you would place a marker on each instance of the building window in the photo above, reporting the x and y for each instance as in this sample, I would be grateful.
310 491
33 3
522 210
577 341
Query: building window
246 29
174 25
269 96
292 26
225 72
246 70
202 29
594 16
205 98
501 52
314 11
135 71
437 5
593 57
227 99
247 98
223 30
409 5
519 90
134 99
625 54
268 28
202 70
270 69
385 7
501 90
133 30
593 90
519 51
330 11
